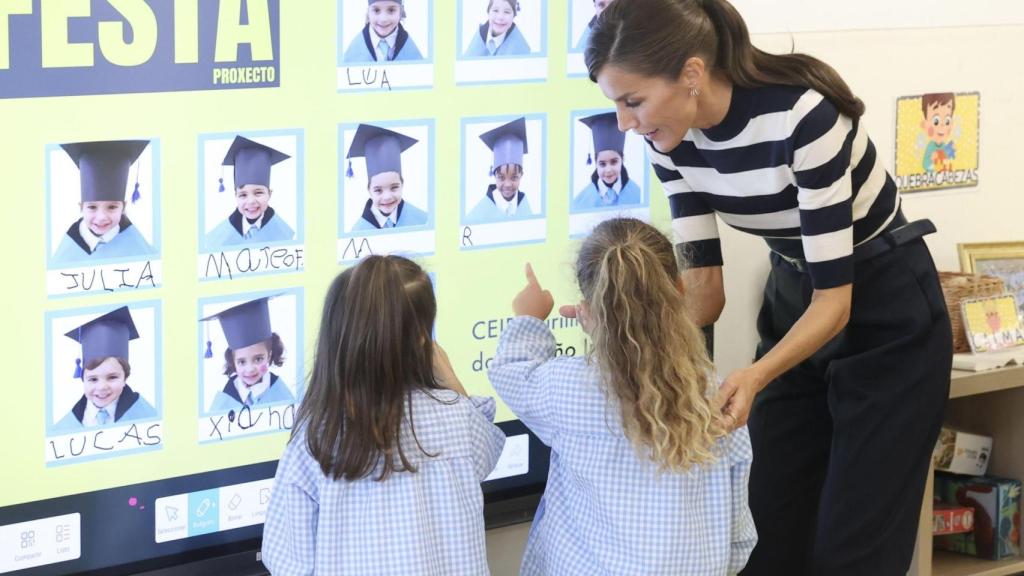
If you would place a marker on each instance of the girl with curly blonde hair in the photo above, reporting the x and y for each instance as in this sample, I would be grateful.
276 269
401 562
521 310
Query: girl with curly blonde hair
645 477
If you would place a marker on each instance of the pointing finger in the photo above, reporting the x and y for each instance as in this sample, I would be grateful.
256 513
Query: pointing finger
531 278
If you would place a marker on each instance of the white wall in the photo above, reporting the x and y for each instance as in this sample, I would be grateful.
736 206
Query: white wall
825 15
880 66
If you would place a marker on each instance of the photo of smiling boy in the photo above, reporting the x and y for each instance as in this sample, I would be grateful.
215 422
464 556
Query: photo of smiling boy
503 199
385 208
499 35
253 348
383 38
609 185
103 230
104 369
253 219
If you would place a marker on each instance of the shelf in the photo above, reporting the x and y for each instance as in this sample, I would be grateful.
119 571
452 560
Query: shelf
949 564
966 383
973 407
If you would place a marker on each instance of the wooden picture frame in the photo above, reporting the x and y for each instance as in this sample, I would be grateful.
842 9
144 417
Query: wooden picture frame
1004 260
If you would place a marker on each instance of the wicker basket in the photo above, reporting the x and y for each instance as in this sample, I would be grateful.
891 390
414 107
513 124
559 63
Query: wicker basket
956 287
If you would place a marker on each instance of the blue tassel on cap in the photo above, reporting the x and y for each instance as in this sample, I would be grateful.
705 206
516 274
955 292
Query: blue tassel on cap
221 187
135 194
209 350
589 160
349 172
78 367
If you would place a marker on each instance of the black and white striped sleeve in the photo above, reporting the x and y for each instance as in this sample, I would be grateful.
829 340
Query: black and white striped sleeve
822 140
694 226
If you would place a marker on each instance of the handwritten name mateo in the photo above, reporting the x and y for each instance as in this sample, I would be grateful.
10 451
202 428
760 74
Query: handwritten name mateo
222 265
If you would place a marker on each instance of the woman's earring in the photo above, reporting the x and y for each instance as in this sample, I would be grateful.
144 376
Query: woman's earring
694 91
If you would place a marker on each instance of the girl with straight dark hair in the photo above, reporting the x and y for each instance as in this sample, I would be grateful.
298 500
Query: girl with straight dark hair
382 473
846 395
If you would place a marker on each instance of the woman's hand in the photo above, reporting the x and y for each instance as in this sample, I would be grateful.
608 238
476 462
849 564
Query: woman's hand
736 395
443 371
533 300
825 317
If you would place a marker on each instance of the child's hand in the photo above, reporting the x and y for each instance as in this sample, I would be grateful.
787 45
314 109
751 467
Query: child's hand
576 311
443 371
533 300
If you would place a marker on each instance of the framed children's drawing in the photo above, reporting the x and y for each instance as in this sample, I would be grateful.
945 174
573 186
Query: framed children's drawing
1004 260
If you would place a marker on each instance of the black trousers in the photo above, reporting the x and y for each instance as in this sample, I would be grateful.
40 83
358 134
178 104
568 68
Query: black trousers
842 442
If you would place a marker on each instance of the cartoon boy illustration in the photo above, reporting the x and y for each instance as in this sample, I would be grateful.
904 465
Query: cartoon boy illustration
937 125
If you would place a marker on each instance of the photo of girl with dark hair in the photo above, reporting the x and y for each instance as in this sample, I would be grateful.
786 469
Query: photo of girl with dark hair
253 349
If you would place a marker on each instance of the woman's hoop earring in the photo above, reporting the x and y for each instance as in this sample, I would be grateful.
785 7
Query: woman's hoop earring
694 91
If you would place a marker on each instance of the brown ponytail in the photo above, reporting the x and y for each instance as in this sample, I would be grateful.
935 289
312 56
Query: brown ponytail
655 38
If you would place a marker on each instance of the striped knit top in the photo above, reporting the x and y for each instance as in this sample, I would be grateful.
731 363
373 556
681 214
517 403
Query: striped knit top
785 165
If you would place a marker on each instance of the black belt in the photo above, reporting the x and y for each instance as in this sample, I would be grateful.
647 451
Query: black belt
897 233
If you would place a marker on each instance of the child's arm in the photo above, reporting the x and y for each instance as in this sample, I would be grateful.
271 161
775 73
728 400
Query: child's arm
519 368
488 439
444 373
744 535
289 533
520 375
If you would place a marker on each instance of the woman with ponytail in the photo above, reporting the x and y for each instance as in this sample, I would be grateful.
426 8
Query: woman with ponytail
644 476
846 395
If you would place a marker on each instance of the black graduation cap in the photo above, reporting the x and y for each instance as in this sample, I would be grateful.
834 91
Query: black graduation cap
508 142
252 161
245 324
105 336
381 147
103 167
604 128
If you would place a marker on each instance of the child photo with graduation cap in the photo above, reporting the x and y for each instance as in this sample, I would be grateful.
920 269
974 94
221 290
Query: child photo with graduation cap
103 229
499 35
385 208
253 220
609 184
503 199
252 349
383 37
104 369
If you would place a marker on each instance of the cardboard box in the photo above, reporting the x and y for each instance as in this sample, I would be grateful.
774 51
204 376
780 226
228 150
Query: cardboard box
951 519
962 453
996 504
